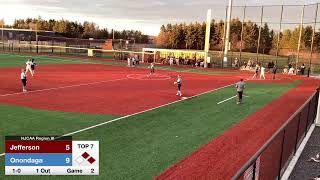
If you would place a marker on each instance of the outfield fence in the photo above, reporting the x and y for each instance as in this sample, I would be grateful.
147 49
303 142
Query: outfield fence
272 159
43 48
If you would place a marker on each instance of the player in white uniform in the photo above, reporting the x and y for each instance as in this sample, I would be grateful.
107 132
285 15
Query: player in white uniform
262 71
129 62
177 61
23 77
171 61
151 69
179 82
28 67
291 71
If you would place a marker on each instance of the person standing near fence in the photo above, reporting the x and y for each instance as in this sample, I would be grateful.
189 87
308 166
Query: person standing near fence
262 72
129 62
240 88
171 61
274 71
302 69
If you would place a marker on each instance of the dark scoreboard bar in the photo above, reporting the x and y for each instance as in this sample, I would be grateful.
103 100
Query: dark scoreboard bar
38 138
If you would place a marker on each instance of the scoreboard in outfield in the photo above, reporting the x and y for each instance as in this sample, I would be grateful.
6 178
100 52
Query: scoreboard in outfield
50 155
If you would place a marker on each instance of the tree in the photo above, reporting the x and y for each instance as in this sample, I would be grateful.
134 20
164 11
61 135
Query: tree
250 36
294 40
162 40
285 39
190 37
235 35
266 39
74 29
307 37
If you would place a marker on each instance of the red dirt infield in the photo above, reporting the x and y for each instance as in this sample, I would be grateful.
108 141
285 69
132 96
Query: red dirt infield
222 157
102 89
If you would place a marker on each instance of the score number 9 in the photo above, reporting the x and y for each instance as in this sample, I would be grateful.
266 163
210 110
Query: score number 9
67 148
67 160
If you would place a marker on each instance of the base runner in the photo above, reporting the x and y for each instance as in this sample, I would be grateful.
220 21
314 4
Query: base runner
256 72
28 66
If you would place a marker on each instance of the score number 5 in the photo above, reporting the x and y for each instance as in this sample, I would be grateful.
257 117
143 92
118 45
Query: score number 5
68 147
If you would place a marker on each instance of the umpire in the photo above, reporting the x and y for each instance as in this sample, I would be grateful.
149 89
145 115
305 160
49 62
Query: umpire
240 88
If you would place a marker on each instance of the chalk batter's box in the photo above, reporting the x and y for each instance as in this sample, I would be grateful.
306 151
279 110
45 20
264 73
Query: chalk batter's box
50 155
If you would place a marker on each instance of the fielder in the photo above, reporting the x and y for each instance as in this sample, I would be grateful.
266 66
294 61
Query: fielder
152 71
179 83
23 77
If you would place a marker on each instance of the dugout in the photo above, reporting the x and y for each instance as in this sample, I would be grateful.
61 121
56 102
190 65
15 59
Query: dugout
161 56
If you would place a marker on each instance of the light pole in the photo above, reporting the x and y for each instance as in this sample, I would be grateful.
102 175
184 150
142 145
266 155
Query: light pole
37 37
279 35
300 36
2 38
227 37
312 39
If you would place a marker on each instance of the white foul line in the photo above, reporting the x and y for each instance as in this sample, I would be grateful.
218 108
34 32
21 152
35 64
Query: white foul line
63 87
228 99
123 117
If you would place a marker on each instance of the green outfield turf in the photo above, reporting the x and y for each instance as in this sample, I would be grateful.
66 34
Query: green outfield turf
14 60
142 146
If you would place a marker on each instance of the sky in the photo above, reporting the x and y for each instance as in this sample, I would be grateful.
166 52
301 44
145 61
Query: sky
144 15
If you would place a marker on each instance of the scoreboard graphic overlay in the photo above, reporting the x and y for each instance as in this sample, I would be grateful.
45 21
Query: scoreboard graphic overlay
50 155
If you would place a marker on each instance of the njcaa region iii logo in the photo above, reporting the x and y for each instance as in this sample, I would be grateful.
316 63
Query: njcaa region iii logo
85 153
